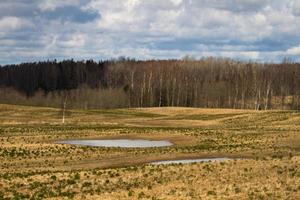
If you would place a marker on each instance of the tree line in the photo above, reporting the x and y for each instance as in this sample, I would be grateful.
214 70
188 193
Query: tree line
209 82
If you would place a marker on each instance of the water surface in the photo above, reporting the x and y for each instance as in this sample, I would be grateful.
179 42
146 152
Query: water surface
125 143
185 161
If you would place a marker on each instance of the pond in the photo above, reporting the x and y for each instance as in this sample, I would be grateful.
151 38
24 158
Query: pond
185 161
124 143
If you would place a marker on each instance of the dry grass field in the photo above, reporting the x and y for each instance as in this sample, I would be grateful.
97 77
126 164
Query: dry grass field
264 147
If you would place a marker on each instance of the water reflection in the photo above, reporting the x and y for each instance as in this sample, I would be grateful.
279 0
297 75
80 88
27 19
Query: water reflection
125 143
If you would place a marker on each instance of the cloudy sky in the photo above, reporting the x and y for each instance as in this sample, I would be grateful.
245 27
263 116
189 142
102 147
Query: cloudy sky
261 30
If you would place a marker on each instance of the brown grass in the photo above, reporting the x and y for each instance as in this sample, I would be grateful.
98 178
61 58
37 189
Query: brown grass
270 141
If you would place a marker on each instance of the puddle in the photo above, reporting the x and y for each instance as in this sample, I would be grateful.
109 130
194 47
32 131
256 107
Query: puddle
124 143
185 161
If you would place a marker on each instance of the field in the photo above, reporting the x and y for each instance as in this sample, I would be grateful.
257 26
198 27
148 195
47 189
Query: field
264 146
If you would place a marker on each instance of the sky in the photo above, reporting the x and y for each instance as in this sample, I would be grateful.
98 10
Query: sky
257 30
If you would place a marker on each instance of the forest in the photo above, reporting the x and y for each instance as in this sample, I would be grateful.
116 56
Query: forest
116 83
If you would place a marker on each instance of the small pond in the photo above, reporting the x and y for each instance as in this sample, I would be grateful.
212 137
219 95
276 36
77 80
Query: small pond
185 161
125 143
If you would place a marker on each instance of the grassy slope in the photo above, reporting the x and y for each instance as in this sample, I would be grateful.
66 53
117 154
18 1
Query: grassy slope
32 165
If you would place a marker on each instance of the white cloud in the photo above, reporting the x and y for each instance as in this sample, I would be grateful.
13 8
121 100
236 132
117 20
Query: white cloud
76 40
13 23
244 29
50 5
294 50
176 2
296 6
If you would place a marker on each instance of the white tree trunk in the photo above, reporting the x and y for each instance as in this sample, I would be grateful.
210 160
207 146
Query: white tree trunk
150 89
173 91
64 110
143 89
160 90
131 89
267 96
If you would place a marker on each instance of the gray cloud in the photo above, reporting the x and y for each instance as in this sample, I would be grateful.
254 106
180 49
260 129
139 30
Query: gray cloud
70 13
234 5
17 8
